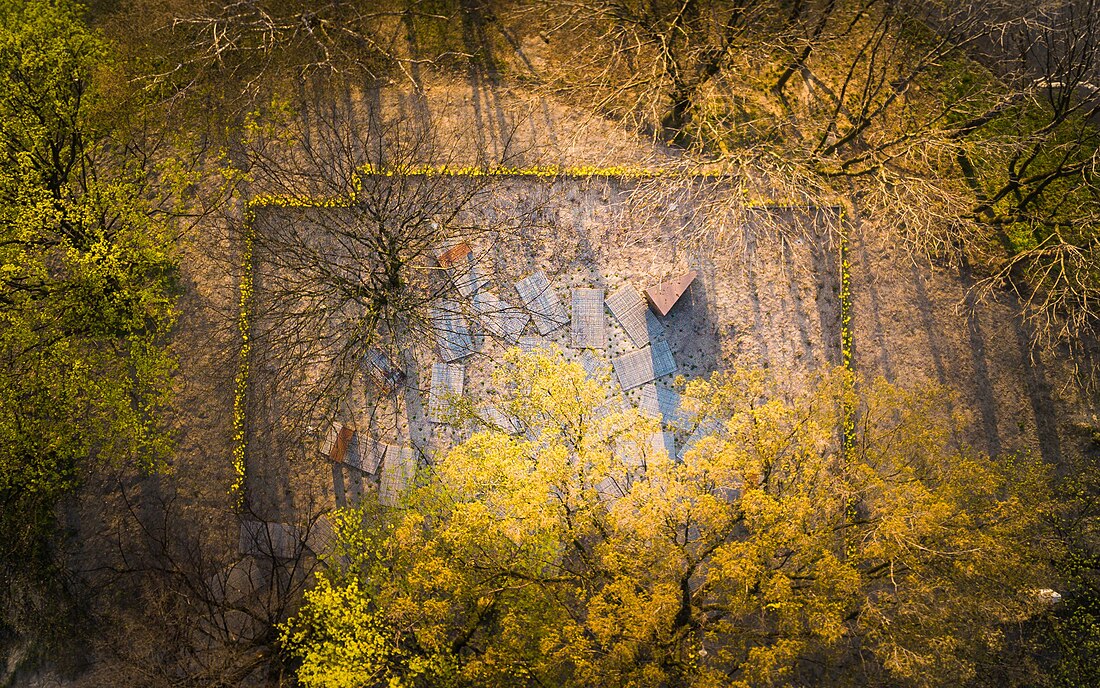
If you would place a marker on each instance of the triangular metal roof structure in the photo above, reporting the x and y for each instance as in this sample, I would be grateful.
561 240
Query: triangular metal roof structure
454 254
665 295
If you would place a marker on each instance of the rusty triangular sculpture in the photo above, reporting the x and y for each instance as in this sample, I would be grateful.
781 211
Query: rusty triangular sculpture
338 443
664 296
452 255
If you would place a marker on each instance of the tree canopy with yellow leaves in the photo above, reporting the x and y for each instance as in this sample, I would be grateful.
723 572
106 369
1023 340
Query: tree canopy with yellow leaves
561 545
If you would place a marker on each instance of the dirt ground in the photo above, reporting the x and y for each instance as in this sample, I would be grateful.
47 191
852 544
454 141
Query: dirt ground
763 298
767 295
917 323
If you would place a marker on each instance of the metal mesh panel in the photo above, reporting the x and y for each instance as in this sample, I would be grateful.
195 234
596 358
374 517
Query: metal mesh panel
468 280
542 303
446 381
589 322
709 427
371 452
593 365
644 365
660 402
451 331
494 417
664 442
263 538
663 363
610 489
321 538
500 318
629 308
397 471
532 342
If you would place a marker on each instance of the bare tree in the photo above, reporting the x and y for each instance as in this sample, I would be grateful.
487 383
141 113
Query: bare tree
361 270
180 596
967 129
251 47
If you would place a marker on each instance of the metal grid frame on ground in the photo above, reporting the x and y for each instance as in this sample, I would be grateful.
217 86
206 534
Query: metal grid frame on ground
593 365
612 404
447 379
451 331
268 538
629 309
708 427
635 453
499 317
397 471
542 302
533 342
610 489
371 453
636 368
661 402
321 538
589 324
468 281
493 416
664 442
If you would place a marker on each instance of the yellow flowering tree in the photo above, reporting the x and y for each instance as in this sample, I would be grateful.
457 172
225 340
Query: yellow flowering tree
561 545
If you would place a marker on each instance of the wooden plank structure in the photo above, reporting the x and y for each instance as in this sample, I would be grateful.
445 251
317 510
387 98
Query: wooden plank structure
629 309
447 381
451 331
636 368
665 295
499 317
542 302
589 330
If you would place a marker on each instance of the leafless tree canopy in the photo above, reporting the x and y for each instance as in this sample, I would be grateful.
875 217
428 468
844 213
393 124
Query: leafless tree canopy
968 128
360 271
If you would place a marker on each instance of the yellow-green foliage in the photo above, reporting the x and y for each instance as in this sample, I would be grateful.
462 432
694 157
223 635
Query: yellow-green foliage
87 294
510 563
546 171
240 386
344 644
